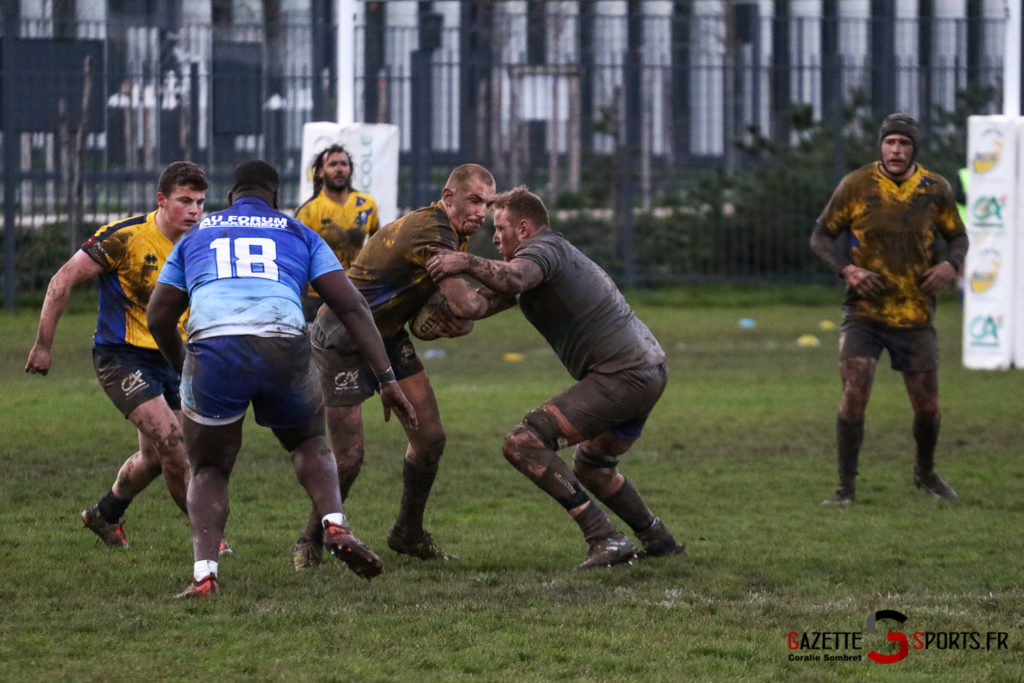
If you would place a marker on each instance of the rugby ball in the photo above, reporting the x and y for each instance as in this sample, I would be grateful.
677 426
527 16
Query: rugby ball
436 319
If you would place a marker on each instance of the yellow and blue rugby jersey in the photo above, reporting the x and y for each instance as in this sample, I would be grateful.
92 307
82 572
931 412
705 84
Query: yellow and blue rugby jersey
345 227
391 270
892 228
131 252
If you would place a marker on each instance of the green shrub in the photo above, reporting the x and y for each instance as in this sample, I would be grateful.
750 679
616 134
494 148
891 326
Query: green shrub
39 252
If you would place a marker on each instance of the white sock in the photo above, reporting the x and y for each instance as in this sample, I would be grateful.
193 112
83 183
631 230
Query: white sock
204 568
334 518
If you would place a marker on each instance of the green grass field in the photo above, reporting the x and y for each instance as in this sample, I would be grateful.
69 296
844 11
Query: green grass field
736 457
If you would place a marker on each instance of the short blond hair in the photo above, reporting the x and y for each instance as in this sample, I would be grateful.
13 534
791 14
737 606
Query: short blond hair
461 176
523 204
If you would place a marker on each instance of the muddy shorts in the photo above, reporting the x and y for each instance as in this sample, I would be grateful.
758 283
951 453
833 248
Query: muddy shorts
223 375
345 377
131 376
912 349
619 402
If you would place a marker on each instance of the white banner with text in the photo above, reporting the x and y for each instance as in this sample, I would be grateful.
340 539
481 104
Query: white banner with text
374 150
993 332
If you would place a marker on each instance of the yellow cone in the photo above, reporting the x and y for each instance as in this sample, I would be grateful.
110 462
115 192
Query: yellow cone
808 340
514 357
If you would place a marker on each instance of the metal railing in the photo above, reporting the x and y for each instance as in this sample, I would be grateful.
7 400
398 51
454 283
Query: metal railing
553 113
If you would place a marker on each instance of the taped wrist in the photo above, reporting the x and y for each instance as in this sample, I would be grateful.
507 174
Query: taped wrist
386 376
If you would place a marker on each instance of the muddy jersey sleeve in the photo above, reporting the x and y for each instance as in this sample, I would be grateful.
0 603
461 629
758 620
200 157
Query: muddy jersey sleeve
390 271
837 217
111 245
951 226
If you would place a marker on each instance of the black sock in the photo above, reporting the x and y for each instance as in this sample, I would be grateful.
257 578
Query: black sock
417 481
630 507
111 507
594 523
849 436
926 435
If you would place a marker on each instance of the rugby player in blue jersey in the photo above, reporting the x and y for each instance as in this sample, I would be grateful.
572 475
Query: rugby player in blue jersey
242 272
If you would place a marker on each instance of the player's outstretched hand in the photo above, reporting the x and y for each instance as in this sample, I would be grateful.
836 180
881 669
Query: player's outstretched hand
393 398
39 361
445 263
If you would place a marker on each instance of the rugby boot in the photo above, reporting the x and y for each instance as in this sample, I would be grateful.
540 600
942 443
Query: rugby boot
224 548
844 493
112 534
307 553
933 484
605 552
203 588
658 541
341 543
421 545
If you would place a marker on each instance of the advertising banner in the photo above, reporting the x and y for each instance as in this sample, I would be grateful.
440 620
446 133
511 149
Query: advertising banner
990 279
1016 206
374 150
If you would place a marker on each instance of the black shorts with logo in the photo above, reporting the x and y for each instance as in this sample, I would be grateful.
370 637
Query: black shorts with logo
346 378
131 375
911 349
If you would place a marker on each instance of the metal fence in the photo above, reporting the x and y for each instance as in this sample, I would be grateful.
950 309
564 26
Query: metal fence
590 107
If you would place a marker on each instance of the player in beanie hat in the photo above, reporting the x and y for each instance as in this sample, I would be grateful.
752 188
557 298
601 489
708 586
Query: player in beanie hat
899 123
877 233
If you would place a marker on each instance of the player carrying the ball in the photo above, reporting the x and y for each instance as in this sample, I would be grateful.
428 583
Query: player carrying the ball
391 272
618 365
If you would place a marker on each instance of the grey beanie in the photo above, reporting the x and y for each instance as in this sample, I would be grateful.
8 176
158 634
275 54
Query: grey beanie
899 123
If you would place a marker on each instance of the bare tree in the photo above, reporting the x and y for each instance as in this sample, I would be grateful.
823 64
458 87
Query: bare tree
72 145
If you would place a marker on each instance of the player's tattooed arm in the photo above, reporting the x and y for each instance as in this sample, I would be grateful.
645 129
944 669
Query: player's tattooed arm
496 303
505 277
508 278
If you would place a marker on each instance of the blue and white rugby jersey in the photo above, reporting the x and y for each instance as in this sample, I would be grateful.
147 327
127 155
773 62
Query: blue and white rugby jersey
244 269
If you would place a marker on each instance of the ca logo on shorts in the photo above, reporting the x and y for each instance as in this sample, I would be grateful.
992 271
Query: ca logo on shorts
133 383
346 381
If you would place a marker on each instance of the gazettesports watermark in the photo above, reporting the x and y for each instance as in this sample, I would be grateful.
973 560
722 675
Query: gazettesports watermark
853 646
